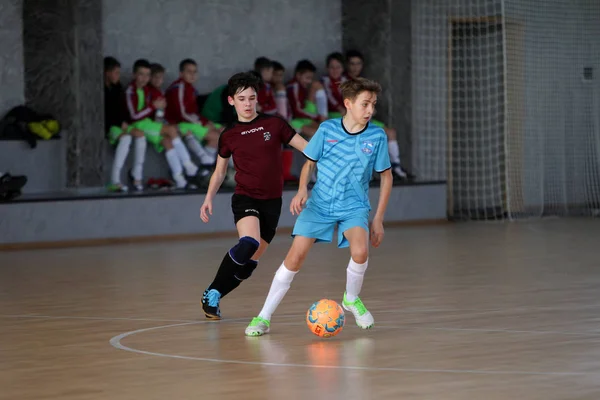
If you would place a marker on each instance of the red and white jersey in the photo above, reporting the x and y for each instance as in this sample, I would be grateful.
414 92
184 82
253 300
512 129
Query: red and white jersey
334 94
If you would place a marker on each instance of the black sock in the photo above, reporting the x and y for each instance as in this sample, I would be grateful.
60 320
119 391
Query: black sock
224 279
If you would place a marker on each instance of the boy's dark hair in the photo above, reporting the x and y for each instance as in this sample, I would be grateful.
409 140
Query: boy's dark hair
353 87
335 56
156 68
277 66
140 63
242 81
354 53
187 61
305 66
262 63
111 63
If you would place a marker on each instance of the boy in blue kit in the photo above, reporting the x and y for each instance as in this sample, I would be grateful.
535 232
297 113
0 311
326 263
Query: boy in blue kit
346 150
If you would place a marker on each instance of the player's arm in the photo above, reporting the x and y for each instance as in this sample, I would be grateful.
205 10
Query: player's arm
218 176
300 199
298 142
384 167
216 180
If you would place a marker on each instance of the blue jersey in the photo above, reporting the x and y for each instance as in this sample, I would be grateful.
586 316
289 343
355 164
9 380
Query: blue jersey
345 164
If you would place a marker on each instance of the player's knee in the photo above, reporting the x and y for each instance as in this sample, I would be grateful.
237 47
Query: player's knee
246 270
360 254
170 131
244 250
136 133
391 133
125 138
167 143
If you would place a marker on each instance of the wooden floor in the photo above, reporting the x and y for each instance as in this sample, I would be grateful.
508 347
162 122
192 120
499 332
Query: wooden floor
463 311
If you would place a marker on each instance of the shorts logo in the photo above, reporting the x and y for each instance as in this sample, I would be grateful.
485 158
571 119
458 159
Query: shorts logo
367 147
251 210
267 136
260 128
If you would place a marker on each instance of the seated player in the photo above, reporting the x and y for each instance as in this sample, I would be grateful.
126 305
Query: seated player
141 109
307 98
354 67
263 67
117 128
331 83
182 110
278 85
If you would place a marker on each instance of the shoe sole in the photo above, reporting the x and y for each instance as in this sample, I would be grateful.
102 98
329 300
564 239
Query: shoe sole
357 324
212 317
255 334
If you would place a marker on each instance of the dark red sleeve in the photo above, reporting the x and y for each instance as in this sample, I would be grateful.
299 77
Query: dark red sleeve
286 132
223 149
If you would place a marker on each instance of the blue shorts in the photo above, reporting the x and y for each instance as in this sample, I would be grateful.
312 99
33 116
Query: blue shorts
315 224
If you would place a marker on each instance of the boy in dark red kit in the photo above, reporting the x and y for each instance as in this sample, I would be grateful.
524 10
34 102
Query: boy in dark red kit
182 110
255 142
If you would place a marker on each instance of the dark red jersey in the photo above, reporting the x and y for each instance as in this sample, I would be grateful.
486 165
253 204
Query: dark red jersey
256 147
266 99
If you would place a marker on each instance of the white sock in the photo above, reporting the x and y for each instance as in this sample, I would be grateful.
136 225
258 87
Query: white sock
120 156
282 103
175 166
184 156
198 150
138 158
355 274
281 284
321 100
394 151
212 153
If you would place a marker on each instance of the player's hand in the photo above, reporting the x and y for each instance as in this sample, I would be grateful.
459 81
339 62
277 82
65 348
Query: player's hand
206 210
376 232
298 202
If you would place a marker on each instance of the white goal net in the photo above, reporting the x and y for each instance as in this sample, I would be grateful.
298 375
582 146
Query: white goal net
506 105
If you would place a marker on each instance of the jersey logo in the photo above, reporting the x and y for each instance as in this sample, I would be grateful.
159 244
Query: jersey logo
260 128
267 136
332 140
367 147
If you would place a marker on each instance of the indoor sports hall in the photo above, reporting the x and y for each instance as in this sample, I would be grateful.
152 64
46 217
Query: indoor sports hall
485 285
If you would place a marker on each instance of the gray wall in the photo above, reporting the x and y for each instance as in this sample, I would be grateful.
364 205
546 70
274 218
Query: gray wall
224 37
173 215
12 89
381 30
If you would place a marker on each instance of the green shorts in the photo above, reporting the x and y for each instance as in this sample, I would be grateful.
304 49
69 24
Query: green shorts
197 129
113 134
298 123
378 123
151 131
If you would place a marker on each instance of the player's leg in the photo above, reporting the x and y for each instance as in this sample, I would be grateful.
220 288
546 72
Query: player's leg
317 100
310 227
171 132
193 134
393 150
117 137
354 232
139 155
280 285
246 217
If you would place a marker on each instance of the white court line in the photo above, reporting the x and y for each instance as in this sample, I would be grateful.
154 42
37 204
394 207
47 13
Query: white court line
116 343
24 316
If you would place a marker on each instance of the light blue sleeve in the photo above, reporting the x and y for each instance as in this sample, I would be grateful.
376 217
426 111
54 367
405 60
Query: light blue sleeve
314 148
382 160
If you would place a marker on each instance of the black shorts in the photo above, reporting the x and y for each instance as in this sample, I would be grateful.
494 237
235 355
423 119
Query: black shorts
267 212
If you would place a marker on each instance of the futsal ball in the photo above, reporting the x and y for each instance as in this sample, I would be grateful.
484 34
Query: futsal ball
325 318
